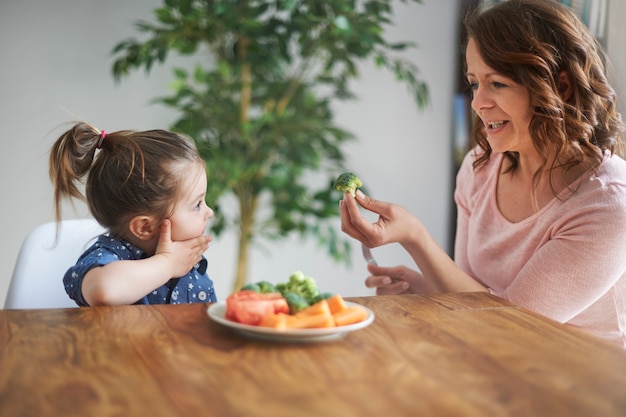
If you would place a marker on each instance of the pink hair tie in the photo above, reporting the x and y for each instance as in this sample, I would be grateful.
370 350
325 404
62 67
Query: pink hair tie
103 135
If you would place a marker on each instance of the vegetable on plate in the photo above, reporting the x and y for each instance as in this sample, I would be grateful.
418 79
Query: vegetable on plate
295 304
249 307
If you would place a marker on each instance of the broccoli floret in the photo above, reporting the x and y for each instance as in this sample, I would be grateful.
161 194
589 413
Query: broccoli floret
348 182
299 284
260 287
252 286
296 302
266 287
322 296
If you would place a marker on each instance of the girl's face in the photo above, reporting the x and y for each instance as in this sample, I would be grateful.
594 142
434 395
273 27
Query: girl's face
502 105
191 214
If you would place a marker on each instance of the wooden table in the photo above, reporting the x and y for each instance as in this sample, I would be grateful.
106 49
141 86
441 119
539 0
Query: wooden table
445 355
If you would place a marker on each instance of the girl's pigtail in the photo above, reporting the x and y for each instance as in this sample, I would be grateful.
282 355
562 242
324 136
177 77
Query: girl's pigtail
71 157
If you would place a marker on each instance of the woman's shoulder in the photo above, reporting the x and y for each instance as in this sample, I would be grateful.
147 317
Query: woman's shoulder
470 174
601 193
475 182
613 164
610 174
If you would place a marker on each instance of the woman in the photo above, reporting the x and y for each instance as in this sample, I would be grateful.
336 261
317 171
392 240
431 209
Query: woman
542 196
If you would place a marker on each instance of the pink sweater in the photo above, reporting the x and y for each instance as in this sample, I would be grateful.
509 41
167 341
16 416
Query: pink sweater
566 262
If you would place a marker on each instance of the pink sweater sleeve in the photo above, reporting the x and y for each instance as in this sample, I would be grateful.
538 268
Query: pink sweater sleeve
462 196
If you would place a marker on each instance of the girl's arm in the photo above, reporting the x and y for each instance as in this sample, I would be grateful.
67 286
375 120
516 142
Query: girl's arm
126 281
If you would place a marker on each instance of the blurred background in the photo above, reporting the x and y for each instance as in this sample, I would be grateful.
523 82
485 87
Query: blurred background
57 59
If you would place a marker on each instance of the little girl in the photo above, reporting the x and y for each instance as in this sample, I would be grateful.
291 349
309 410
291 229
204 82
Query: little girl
148 190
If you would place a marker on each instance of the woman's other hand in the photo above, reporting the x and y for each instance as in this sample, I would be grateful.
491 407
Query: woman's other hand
397 280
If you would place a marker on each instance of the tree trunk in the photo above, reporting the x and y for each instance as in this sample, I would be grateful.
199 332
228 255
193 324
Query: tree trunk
247 199
247 208
242 264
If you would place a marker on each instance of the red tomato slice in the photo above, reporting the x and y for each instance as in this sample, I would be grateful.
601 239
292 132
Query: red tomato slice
250 311
250 307
280 306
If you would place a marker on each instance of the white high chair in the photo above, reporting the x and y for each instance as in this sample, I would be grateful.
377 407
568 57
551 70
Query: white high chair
37 280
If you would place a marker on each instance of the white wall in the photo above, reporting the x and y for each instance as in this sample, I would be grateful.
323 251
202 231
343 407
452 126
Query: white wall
56 67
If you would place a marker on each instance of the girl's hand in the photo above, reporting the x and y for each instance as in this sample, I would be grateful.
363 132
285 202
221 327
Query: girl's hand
397 280
181 255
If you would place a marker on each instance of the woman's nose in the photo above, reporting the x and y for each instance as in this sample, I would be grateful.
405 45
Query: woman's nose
481 100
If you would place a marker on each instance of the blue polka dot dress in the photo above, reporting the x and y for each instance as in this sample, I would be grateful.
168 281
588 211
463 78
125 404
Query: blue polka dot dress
193 287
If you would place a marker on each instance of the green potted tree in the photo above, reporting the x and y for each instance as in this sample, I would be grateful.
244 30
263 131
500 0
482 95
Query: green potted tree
259 106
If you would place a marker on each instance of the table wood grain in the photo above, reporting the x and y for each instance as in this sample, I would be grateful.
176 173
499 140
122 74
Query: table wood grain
444 355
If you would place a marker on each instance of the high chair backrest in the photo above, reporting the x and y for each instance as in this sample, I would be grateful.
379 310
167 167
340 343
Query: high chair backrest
37 280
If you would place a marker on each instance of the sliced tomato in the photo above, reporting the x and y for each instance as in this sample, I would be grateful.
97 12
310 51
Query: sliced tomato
250 307
249 311
278 302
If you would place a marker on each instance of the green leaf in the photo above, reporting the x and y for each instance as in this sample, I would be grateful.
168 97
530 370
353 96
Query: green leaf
185 7
164 15
341 22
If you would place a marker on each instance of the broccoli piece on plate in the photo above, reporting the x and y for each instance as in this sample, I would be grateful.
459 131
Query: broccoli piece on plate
267 287
299 284
348 182
260 287
252 286
322 296
296 302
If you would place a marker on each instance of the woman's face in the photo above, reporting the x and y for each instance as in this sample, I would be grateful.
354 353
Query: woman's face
191 214
502 105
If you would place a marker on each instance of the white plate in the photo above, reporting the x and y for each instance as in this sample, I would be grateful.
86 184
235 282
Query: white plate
217 312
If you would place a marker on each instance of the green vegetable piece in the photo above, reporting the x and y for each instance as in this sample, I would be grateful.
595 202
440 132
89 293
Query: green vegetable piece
296 302
322 296
348 182
299 284
253 286
260 287
266 287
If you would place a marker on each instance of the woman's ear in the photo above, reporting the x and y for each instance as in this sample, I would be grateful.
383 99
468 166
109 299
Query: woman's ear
564 84
143 227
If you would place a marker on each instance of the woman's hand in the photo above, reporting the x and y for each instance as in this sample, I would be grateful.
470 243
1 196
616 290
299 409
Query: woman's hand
394 224
397 280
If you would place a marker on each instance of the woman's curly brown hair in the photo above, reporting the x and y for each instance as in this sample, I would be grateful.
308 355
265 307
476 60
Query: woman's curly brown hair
533 42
